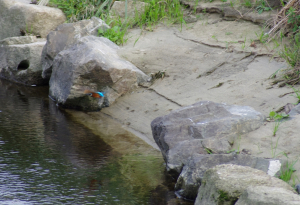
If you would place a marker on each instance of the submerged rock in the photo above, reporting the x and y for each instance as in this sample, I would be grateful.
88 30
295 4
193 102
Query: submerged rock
92 63
20 60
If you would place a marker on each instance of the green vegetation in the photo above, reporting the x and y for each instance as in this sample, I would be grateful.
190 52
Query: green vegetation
273 116
247 3
293 19
291 53
262 6
238 148
286 175
76 10
154 12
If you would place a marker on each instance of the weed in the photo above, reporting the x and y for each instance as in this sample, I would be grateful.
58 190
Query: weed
76 10
274 148
262 6
244 44
228 33
247 3
231 4
273 116
214 37
293 19
297 92
195 7
291 53
276 127
238 148
262 36
287 174
209 151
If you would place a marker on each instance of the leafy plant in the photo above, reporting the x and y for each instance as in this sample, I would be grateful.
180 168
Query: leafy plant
247 3
291 53
115 34
293 19
262 6
273 116
262 36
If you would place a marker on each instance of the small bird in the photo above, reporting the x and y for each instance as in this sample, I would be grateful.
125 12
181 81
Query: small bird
94 94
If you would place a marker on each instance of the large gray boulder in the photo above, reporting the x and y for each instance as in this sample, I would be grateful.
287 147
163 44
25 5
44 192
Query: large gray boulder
20 60
17 19
260 195
203 126
65 35
224 184
191 175
92 64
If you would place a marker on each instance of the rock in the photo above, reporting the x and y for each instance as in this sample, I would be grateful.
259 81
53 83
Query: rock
258 195
203 125
133 8
298 188
20 60
295 110
192 173
66 35
91 63
17 19
224 184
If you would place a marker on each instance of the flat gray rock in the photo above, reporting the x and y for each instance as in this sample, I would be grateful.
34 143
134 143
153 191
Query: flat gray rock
203 125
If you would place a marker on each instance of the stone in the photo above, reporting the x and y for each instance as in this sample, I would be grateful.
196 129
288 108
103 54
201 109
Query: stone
298 188
17 19
65 35
257 195
192 173
295 110
133 8
203 125
224 184
20 60
91 64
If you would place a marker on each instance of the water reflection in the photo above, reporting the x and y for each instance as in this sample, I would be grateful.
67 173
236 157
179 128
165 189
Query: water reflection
46 158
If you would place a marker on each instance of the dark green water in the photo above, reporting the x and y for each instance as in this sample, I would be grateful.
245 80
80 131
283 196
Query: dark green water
46 158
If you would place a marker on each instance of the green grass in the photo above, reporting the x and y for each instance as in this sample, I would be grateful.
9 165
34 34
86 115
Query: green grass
155 11
76 10
291 53
262 6
286 175
247 3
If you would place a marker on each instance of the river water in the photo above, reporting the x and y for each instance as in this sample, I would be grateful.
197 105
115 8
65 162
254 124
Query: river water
46 157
